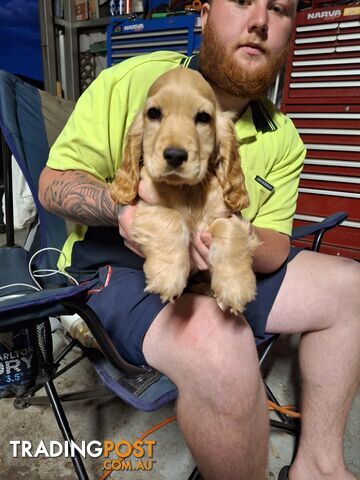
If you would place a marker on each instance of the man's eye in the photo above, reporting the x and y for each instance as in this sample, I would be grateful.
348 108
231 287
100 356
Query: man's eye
154 113
278 9
202 117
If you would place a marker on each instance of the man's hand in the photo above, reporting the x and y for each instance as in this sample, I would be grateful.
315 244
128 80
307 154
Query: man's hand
126 218
199 250
127 215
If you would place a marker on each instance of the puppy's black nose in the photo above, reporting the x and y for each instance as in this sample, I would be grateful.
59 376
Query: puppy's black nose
175 156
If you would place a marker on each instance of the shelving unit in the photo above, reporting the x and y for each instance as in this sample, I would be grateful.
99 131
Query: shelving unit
62 65
71 28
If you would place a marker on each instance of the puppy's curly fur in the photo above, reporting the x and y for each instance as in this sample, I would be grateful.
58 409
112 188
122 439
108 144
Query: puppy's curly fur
184 148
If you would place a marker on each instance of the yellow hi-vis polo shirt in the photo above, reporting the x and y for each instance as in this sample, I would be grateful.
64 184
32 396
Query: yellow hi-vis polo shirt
271 150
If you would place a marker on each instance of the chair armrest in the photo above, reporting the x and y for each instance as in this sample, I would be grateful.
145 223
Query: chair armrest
107 347
318 229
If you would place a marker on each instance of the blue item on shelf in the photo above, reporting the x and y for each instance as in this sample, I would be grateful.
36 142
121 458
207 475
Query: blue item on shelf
128 38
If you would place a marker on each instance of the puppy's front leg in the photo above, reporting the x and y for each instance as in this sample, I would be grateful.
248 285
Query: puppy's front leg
232 278
163 237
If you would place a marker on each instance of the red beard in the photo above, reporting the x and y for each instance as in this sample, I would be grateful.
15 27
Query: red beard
221 70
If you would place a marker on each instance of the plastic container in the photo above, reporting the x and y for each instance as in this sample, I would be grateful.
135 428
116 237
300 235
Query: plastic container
78 330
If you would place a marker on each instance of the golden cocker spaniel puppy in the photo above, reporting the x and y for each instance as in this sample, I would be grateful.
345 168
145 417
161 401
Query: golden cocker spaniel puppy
184 148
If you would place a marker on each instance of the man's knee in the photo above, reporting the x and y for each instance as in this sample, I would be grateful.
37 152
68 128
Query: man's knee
352 274
318 291
344 286
351 303
208 351
341 293
223 366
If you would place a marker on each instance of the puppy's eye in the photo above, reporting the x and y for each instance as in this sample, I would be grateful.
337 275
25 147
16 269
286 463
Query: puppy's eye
202 117
154 113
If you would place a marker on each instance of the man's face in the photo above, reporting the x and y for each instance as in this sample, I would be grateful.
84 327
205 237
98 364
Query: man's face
245 43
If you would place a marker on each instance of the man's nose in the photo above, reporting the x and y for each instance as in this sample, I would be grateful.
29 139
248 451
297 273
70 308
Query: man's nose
259 18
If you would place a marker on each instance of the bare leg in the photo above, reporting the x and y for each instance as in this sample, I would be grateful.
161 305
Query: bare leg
320 296
221 408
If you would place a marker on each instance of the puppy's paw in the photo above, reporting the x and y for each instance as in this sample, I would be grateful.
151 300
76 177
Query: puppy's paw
168 293
167 281
235 293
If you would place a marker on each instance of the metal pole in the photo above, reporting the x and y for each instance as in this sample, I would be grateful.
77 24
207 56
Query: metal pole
71 44
48 47
65 429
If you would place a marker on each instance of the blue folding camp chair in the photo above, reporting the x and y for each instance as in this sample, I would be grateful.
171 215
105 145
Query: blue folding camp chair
30 121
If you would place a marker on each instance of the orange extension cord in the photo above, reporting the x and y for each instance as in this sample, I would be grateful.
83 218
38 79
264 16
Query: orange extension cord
142 437
284 409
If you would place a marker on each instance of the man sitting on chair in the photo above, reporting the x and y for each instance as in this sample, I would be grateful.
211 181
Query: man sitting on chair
210 355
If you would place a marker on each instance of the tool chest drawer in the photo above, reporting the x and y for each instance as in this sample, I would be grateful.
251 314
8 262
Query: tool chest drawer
325 61
323 192
128 38
331 134
322 97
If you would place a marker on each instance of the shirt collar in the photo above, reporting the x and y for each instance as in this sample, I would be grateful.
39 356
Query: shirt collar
255 119
244 126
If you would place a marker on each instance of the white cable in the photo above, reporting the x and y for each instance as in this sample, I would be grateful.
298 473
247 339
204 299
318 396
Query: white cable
20 285
38 274
49 272
14 295
46 272
37 253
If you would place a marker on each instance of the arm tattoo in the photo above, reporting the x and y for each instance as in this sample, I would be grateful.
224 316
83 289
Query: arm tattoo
81 198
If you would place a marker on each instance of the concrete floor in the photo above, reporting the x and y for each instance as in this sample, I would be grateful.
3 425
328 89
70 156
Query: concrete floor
110 419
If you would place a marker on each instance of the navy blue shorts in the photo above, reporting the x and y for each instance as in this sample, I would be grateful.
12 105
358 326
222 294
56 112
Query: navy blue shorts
126 311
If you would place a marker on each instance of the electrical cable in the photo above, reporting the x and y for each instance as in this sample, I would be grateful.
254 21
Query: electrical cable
20 285
16 295
46 272
287 410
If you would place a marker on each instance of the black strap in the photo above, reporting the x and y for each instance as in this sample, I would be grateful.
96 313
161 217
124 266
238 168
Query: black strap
194 62
190 62
261 118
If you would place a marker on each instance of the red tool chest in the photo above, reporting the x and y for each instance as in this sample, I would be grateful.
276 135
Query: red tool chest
322 97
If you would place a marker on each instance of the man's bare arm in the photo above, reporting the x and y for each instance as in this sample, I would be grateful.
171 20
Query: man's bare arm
273 252
78 196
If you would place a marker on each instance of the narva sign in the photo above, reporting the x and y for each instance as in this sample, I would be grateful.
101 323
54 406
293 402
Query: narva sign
326 14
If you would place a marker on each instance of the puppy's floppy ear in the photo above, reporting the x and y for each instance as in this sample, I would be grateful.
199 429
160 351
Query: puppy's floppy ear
228 170
124 188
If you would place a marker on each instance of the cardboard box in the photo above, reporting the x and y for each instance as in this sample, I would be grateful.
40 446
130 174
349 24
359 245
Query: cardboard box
81 10
93 7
